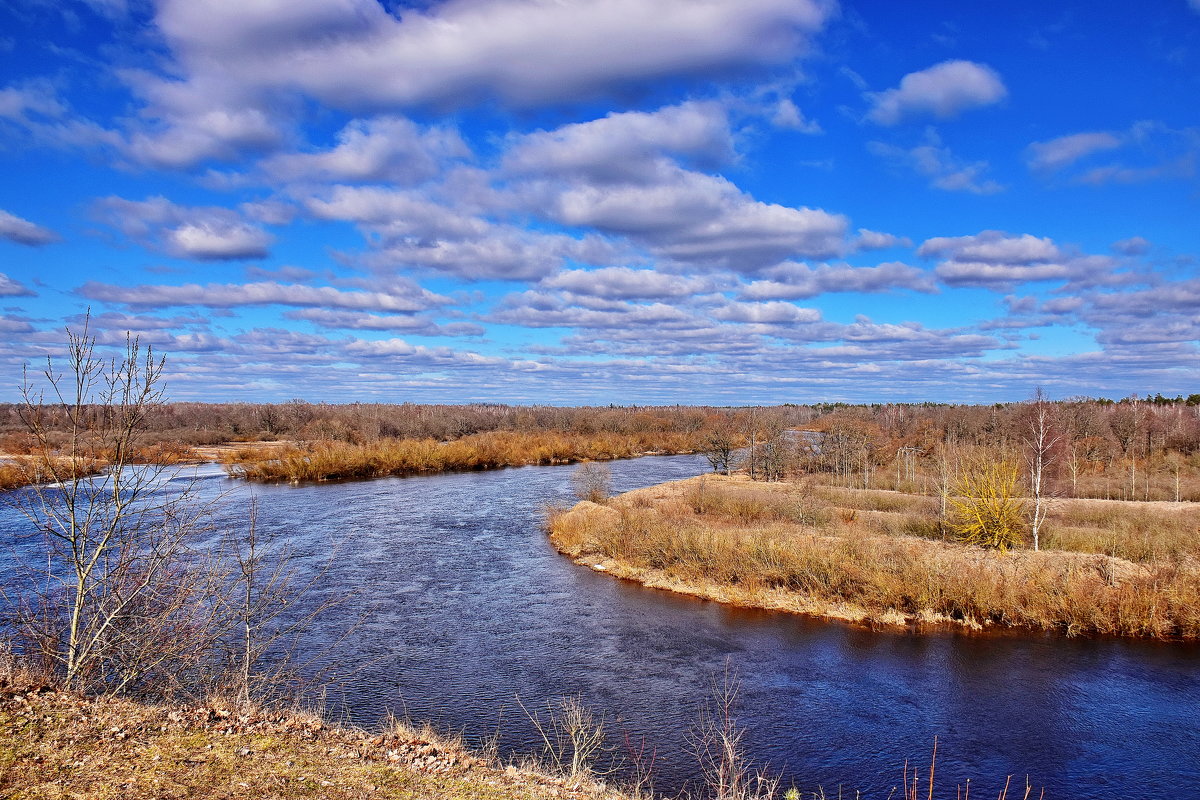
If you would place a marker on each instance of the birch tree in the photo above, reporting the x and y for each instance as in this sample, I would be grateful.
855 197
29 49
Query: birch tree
1041 442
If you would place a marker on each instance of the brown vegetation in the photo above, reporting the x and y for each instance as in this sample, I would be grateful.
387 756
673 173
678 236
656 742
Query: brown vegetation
57 744
20 471
321 461
1132 569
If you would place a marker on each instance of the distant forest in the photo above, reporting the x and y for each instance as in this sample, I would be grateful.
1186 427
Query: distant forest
1136 448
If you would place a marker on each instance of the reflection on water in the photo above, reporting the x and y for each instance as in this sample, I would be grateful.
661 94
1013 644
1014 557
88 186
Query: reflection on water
465 606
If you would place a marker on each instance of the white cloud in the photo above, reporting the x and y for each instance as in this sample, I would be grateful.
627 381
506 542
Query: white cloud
1149 150
199 233
627 284
22 231
793 281
225 295
406 229
13 288
18 102
1133 246
943 90
360 321
703 220
385 149
1055 154
934 161
775 312
189 127
353 52
626 145
1000 260
994 247
876 240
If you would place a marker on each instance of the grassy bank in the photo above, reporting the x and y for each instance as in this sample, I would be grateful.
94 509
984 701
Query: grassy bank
56 744
1108 567
18 471
327 460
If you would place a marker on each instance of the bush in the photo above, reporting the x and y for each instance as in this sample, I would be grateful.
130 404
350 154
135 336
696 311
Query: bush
987 509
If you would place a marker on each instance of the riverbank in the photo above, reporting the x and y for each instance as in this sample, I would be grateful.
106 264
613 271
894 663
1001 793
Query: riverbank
328 460
874 558
58 744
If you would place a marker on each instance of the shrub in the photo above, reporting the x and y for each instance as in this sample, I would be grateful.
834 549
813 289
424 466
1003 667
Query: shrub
987 509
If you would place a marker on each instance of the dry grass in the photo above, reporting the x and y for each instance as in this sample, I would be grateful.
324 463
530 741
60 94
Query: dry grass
746 543
20 471
54 744
337 460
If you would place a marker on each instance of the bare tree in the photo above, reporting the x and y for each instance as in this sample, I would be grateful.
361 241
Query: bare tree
717 741
116 599
592 481
264 632
1041 442
718 448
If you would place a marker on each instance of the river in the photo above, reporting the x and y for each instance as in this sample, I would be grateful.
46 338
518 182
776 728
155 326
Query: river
463 606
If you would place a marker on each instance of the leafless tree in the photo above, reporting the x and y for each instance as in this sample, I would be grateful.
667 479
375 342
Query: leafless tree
1041 441
718 447
116 599
133 589
592 481
717 741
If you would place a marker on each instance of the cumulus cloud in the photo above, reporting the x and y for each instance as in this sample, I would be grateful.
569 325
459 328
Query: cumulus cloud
1133 246
409 230
875 240
360 321
354 52
188 126
1056 154
773 312
13 288
791 281
627 284
702 220
994 247
944 90
626 145
238 69
225 295
934 161
535 309
22 231
1148 150
385 149
999 260
198 233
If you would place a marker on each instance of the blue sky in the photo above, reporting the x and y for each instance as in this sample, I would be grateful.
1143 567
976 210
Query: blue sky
595 201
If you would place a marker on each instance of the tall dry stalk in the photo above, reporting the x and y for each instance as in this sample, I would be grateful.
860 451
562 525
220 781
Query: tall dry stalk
572 737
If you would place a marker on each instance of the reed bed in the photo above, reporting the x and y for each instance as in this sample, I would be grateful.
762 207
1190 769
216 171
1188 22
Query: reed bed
25 471
697 537
322 461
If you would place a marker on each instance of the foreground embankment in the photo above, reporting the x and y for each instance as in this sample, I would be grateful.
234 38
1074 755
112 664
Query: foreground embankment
876 557
56 744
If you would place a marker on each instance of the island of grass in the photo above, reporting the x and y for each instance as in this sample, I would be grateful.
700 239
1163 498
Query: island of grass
882 557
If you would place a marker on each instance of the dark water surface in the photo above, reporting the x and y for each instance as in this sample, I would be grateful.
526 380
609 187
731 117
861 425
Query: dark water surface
464 606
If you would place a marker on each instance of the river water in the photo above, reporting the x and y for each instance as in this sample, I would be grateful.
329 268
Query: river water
462 606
